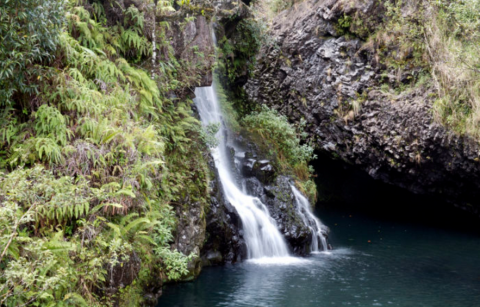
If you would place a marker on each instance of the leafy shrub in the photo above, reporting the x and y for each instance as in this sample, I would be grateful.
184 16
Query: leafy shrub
275 129
282 142
29 30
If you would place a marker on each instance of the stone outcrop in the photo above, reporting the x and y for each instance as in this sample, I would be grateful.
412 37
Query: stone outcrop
262 180
333 82
280 201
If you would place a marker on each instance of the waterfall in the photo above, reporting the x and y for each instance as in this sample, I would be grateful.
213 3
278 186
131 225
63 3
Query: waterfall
260 231
304 211
154 46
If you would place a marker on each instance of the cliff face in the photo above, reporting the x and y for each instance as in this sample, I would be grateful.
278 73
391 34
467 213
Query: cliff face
311 71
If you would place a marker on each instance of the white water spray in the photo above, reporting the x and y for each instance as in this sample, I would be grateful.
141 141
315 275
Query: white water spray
260 231
304 211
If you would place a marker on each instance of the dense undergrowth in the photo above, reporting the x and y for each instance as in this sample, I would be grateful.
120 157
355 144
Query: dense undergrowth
93 154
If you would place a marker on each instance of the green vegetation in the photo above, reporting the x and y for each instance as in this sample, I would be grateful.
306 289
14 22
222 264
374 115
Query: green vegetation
438 41
237 60
453 45
29 36
242 48
281 141
230 113
93 154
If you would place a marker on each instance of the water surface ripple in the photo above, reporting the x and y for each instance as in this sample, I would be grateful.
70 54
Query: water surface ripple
375 263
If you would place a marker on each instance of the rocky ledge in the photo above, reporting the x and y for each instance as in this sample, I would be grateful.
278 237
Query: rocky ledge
261 179
310 71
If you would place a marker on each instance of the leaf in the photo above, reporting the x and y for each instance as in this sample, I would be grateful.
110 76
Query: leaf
125 192
76 298
136 223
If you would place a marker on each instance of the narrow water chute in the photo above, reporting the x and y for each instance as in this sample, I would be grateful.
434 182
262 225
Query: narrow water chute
309 219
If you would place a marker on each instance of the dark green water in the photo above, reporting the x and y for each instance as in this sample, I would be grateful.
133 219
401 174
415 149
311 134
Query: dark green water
376 262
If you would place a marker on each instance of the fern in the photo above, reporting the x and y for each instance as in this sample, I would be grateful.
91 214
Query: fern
134 19
117 151
99 12
49 122
10 130
48 150
133 45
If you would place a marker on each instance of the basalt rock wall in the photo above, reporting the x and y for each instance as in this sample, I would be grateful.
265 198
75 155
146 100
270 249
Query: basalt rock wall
332 81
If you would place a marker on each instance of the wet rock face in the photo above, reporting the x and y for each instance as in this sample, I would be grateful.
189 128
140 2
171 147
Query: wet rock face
281 203
190 233
334 84
224 240
213 233
274 190
193 44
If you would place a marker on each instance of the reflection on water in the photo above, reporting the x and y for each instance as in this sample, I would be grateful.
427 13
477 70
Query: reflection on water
375 263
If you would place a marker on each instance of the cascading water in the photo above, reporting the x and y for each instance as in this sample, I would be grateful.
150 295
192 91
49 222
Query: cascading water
260 231
303 209
154 45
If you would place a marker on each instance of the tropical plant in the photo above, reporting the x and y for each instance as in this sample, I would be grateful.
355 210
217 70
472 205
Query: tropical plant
29 31
92 157
282 141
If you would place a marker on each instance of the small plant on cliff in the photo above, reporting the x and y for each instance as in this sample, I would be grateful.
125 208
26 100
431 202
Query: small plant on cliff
273 132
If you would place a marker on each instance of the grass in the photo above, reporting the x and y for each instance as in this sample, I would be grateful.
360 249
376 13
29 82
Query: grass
456 65
440 42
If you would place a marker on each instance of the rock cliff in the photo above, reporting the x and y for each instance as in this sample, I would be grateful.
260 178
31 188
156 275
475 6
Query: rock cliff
313 71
